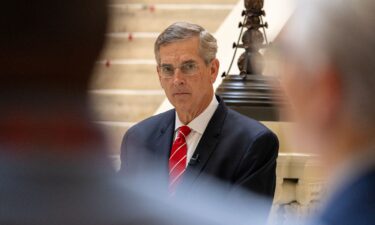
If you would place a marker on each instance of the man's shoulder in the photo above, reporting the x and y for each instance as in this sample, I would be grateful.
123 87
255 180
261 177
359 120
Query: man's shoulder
246 124
354 204
364 184
156 121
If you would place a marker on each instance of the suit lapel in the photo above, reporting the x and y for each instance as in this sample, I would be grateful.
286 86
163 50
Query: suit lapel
206 146
163 141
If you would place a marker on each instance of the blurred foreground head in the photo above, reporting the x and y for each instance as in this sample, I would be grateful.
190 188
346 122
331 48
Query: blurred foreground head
47 52
327 71
48 48
328 68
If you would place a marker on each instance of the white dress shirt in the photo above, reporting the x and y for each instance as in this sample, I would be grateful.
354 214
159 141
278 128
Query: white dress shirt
198 126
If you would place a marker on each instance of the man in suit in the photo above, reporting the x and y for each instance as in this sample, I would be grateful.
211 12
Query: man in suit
54 167
328 66
200 139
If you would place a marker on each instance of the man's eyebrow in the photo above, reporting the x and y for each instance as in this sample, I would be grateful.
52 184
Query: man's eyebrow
183 63
165 64
189 61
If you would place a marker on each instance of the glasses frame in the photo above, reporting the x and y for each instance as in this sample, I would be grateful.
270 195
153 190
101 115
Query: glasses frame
183 71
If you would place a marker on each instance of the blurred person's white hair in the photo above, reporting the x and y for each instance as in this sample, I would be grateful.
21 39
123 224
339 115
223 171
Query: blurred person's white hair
339 33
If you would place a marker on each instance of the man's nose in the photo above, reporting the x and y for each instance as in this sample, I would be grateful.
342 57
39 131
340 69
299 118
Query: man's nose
178 77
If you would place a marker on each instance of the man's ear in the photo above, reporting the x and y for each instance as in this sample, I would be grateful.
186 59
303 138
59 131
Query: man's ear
214 70
330 95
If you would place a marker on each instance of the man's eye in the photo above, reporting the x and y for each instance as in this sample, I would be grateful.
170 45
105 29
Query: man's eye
167 69
189 67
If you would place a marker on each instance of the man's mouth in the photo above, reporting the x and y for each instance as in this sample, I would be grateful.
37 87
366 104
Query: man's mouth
181 93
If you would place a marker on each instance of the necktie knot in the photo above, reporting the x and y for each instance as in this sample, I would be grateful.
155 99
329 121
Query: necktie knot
184 131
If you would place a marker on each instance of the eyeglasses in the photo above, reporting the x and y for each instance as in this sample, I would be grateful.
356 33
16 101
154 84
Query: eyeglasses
187 69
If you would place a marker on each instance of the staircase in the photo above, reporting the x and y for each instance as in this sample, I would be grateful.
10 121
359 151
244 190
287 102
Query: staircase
125 88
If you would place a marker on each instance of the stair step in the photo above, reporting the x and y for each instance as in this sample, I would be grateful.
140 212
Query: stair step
131 76
179 1
120 46
125 18
125 105
114 132
172 6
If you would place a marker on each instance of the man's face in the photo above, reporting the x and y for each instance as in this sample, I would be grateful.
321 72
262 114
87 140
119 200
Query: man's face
184 76
314 97
299 87
296 91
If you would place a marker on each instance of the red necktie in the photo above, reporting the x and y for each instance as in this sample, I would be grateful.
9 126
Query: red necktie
177 160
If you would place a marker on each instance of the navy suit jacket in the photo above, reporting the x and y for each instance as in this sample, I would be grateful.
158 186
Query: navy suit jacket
234 149
354 204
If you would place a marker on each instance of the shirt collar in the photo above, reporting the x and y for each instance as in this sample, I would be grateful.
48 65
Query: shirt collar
200 122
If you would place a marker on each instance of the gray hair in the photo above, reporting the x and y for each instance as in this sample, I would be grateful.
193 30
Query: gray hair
339 32
182 31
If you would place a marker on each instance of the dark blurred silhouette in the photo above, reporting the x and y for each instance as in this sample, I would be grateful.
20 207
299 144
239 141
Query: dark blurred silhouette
54 167
328 66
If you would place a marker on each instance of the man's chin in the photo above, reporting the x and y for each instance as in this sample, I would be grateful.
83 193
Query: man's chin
182 106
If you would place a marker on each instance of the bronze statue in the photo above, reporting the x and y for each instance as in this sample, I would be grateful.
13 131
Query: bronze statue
249 92
250 62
